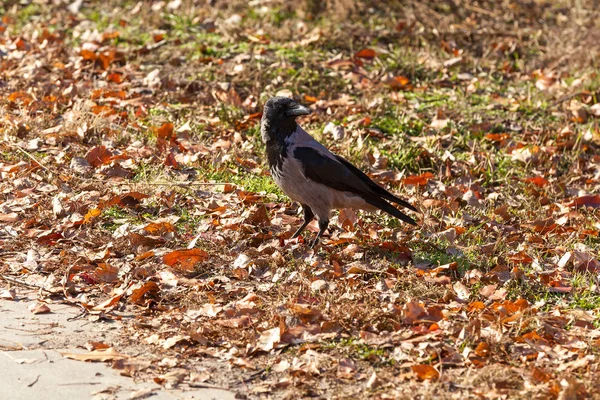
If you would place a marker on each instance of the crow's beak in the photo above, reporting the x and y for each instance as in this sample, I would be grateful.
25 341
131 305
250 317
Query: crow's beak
296 110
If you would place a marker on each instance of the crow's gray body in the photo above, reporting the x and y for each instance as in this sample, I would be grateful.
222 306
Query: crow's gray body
313 176
291 178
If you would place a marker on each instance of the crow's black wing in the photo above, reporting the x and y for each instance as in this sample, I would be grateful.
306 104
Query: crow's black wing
375 187
340 175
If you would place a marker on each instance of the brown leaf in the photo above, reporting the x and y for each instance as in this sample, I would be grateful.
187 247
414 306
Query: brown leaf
105 273
347 218
108 304
268 339
11 217
186 259
424 372
586 201
235 322
8 294
39 308
148 287
539 375
165 131
96 355
259 217
131 199
461 290
170 161
521 257
346 368
412 311
488 290
98 156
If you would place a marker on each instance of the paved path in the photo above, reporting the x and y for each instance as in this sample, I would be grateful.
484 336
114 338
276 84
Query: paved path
38 371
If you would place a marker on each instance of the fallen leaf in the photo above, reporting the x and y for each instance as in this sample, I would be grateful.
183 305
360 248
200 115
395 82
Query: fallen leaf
461 291
11 217
424 372
418 180
8 294
108 354
366 53
148 287
268 339
186 259
39 308
586 201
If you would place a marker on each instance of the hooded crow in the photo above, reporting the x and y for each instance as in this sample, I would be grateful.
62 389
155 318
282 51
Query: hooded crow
313 176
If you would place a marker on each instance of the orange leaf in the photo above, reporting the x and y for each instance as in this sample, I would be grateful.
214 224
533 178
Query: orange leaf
398 82
310 99
148 287
185 260
538 181
110 35
424 371
24 97
497 137
107 57
521 257
366 53
165 131
98 156
108 304
483 349
539 375
115 77
160 228
418 180
103 110
88 55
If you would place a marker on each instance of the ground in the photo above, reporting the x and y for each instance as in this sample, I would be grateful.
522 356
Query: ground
135 194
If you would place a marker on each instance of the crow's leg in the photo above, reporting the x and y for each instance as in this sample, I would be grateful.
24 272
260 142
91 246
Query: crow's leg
323 223
308 217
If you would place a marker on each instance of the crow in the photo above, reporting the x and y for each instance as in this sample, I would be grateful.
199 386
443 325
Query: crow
313 176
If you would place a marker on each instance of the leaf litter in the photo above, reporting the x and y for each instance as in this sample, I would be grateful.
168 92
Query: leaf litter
133 178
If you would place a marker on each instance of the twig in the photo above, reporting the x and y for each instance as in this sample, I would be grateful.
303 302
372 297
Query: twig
479 10
207 386
34 382
253 376
22 283
178 183
30 156
566 97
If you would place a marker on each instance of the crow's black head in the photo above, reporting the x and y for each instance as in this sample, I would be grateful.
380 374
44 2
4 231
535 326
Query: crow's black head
279 117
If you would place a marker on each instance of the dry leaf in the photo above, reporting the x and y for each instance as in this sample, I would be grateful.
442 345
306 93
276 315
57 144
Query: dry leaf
108 354
39 308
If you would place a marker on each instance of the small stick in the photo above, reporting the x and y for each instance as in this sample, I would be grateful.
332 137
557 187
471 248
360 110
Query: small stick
207 386
30 156
20 282
179 183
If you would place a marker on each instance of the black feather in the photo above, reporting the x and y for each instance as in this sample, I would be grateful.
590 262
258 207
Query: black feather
340 175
